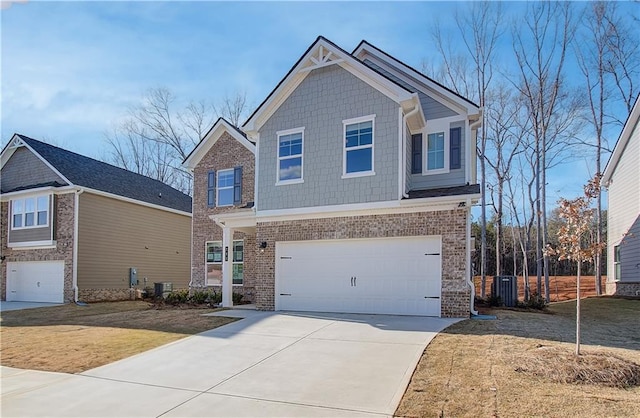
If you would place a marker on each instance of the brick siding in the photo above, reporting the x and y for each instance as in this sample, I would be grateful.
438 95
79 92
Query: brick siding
226 153
451 225
63 235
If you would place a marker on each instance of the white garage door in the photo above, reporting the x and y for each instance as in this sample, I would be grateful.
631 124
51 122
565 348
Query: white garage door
35 281
382 275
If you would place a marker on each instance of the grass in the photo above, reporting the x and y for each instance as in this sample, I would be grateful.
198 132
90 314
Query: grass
475 368
72 339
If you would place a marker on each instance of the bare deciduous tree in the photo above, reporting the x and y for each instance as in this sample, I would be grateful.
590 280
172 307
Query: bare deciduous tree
541 49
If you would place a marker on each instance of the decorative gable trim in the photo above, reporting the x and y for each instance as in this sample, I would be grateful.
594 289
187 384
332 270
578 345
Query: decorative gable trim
633 122
220 127
323 53
17 142
437 90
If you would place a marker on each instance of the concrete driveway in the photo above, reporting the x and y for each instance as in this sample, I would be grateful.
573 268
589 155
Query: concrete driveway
268 364
15 306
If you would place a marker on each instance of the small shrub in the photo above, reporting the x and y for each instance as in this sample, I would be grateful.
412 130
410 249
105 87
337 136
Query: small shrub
494 300
177 297
237 298
215 298
200 297
535 301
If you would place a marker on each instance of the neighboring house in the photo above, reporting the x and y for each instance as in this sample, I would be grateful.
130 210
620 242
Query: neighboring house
622 179
348 189
73 228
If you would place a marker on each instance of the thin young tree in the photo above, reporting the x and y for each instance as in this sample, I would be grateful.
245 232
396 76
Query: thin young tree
573 242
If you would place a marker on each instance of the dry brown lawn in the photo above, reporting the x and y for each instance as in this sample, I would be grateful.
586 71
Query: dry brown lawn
473 369
73 338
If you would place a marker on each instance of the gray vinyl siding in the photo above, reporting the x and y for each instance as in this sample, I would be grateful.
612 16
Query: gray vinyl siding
452 178
25 235
432 108
25 169
624 210
630 254
325 98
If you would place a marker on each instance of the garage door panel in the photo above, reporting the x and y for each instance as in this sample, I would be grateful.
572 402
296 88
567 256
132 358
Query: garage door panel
390 275
37 281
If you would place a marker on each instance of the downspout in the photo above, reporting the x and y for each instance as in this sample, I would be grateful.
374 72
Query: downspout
404 149
468 271
76 212
193 181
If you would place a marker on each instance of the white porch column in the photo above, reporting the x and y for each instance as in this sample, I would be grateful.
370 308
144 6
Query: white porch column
227 267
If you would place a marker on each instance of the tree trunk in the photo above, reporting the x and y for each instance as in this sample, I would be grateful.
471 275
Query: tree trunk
578 309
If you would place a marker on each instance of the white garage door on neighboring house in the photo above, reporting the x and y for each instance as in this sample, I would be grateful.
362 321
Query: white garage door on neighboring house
399 276
35 281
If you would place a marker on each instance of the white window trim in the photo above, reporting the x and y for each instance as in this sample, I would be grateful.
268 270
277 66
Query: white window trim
351 121
35 213
218 188
425 157
278 158
206 245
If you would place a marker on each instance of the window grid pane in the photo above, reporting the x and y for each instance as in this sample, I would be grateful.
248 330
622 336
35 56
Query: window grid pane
290 157
225 187
435 151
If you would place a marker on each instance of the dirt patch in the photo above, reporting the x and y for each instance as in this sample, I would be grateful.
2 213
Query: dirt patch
74 338
470 369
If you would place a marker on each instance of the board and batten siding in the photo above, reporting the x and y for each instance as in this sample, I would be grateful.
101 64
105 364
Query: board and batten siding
114 236
25 169
325 98
624 210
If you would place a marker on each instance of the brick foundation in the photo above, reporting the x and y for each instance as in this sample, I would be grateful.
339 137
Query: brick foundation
623 288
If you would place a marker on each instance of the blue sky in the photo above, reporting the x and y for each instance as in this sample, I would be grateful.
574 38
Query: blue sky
71 70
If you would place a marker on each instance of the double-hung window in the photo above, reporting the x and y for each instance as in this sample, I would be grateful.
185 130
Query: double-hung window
290 156
436 152
30 212
214 262
358 146
224 187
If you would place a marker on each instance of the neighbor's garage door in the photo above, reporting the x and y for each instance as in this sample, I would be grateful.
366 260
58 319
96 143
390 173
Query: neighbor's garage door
35 281
383 276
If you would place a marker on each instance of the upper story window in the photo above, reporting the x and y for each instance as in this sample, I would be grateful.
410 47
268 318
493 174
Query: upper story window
442 151
436 152
358 146
30 212
290 156
224 187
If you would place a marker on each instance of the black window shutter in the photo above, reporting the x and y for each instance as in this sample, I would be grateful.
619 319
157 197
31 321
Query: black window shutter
416 154
237 185
211 189
455 148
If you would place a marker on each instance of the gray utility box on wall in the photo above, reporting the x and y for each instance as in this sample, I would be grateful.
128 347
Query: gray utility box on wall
162 289
506 287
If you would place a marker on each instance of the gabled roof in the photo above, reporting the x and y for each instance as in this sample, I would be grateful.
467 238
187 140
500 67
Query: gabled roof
323 53
86 172
365 48
211 137
632 121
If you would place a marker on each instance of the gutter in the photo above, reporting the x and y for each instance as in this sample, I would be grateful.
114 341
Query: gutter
404 150
468 271
76 212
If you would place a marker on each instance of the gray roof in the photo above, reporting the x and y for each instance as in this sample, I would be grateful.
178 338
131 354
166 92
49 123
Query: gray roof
445 191
94 174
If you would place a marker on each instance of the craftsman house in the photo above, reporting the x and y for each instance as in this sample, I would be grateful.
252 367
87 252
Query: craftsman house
348 189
